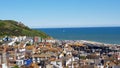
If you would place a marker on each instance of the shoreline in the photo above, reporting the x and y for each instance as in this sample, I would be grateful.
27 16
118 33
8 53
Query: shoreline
90 42
106 35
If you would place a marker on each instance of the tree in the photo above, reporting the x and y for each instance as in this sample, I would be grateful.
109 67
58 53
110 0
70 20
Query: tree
17 43
1 43
15 66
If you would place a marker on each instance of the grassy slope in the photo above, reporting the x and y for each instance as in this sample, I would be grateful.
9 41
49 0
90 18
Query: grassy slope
13 28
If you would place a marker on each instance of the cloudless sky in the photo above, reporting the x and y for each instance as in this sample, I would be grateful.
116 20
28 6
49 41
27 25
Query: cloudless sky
62 13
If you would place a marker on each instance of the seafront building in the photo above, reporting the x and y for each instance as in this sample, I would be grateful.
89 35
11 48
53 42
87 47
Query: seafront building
35 52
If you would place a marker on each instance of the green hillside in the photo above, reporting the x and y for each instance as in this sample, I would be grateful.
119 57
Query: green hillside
14 28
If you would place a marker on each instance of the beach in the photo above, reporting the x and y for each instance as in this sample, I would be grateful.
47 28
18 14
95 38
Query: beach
108 35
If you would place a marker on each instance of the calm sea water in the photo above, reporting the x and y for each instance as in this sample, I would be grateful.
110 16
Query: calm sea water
109 35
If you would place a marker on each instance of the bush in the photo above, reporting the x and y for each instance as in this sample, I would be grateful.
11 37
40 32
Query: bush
17 43
1 43
82 57
15 66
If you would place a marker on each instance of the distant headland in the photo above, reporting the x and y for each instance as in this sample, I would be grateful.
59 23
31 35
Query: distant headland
14 28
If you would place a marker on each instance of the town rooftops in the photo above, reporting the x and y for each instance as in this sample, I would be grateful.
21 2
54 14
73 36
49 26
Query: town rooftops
43 55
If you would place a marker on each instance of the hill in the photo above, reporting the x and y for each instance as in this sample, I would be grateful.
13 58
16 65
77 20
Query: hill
14 28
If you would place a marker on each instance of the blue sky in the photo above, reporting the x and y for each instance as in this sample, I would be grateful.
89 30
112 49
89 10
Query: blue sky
62 13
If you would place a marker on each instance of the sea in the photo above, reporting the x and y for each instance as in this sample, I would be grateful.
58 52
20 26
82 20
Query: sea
108 35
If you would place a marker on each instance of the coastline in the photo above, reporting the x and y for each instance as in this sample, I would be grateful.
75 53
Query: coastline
107 35
88 42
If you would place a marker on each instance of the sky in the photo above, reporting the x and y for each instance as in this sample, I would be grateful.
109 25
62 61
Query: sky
62 13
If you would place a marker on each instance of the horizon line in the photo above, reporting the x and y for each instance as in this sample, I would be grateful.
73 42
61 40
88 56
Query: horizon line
76 27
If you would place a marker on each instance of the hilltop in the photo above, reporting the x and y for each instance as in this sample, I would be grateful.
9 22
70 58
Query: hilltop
14 28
